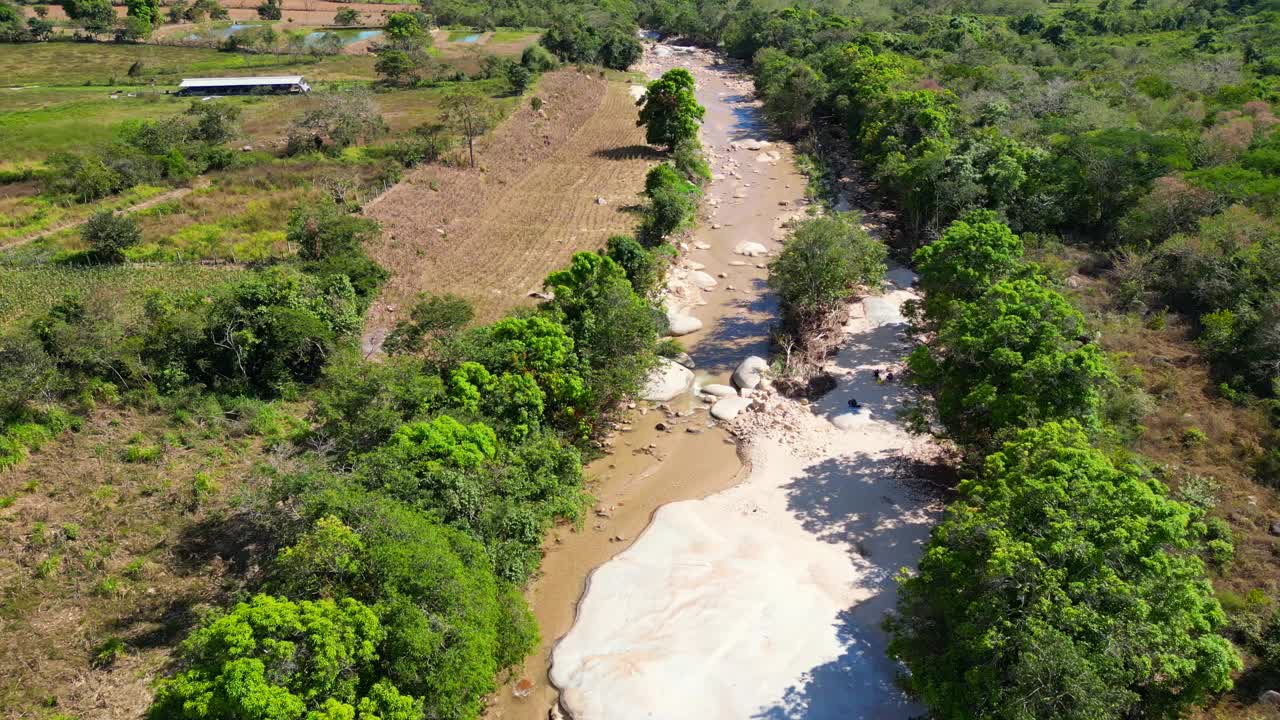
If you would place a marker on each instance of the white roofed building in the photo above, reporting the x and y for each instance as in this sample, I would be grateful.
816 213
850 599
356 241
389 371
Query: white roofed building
282 84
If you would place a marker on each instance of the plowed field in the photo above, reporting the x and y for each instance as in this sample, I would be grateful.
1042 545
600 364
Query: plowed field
493 233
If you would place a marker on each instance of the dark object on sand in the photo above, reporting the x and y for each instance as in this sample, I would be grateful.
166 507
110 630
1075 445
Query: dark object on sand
853 403
876 372
888 377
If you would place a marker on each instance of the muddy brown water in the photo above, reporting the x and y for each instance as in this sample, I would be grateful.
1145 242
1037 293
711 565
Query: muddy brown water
649 468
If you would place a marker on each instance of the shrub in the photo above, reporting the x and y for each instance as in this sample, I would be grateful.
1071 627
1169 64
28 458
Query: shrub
322 230
106 653
822 262
269 10
689 161
672 204
643 268
108 235
82 177
537 59
347 16
431 318
141 453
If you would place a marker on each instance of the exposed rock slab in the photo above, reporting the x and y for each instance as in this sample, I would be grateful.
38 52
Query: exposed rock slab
667 382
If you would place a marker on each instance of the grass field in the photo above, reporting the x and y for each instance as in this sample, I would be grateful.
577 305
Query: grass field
29 291
71 63
110 556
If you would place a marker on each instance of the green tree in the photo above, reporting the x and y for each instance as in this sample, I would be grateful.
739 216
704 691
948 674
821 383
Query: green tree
396 67
347 15
216 122
108 235
275 328
404 27
669 112
1018 355
326 562
544 349
791 89
612 327
148 10
96 16
973 253
273 659
469 114
821 263
1061 585
519 78
436 593
619 47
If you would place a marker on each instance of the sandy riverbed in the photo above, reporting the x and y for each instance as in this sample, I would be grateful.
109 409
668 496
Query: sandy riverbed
765 600
693 458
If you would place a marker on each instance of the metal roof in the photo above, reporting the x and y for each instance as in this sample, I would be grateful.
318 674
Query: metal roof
233 81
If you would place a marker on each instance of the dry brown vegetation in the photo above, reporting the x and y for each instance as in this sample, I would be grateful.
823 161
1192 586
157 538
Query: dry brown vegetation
1157 350
100 548
492 234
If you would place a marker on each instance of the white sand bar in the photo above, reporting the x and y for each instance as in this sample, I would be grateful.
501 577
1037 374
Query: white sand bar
765 601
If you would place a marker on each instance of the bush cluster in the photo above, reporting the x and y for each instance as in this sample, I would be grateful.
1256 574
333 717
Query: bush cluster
176 148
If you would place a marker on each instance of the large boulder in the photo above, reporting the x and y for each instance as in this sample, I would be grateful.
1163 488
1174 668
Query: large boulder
702 280
718 390
668 381
678 325
1270 697
727 408
750 249
750 372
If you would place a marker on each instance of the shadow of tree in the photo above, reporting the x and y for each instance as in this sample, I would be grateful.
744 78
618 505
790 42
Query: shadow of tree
843 689
226 546
630 152
863 502
847 500
743 332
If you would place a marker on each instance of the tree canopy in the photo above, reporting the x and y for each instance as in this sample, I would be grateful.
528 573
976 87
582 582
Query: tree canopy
1062 585
669 112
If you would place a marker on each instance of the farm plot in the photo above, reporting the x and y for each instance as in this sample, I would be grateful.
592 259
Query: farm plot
552 182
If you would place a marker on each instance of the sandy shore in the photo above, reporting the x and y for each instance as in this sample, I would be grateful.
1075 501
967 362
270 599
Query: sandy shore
765 600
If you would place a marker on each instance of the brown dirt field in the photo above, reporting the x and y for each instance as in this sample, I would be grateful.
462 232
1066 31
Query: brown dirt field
136 560
492 234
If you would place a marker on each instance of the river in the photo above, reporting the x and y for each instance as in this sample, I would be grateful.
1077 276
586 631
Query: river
755 588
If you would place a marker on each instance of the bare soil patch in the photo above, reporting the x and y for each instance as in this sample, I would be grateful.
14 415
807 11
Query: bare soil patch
493 233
